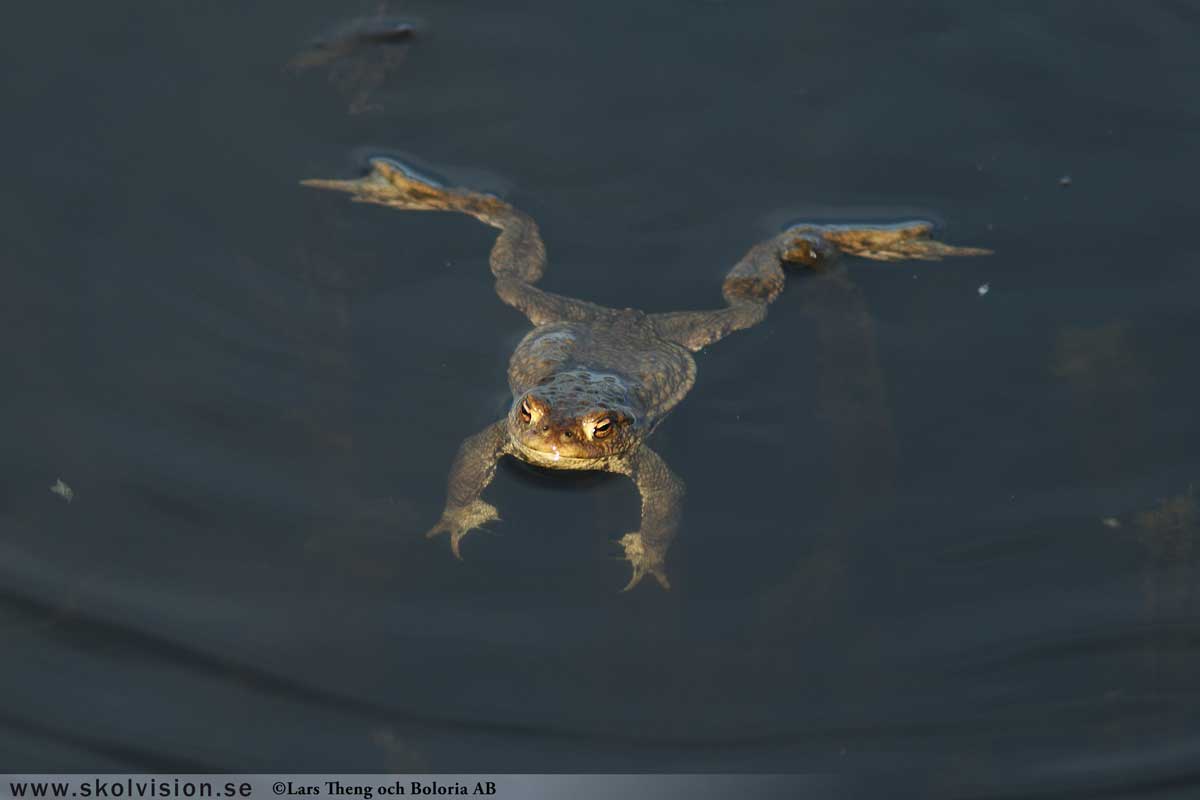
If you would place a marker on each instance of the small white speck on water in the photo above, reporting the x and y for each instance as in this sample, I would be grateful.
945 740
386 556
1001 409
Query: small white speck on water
62 490
1111 522
1064 181
984 288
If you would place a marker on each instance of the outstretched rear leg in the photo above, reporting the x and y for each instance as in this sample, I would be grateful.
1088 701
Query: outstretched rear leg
758 278
518 257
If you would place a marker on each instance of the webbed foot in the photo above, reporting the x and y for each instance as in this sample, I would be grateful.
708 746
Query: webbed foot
811 244
644 560
390 183
458 521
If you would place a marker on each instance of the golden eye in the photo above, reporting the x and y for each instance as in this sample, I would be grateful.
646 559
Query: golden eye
526 411
603 428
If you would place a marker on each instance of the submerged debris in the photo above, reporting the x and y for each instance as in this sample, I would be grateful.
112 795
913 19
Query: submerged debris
1064 181
352 36
62 490
1171 529
984 289
359 56
1111 522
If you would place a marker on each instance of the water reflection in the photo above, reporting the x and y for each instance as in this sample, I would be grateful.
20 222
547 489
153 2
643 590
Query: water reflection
1170 534
1112 400
852 403
1109 395
345 527
1112 405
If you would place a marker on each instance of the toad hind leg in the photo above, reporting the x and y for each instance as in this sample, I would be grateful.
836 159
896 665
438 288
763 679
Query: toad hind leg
518 257
473 469
756 280
902 241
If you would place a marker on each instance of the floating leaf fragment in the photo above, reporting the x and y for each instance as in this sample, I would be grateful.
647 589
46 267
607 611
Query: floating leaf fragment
62 490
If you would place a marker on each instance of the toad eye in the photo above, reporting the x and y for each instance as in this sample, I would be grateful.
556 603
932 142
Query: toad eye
603 428
526 411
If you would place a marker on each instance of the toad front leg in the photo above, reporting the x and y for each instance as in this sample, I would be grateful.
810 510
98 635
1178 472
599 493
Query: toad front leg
473 469
662 502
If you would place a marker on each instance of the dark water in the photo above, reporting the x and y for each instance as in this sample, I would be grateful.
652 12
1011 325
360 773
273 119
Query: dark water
927 528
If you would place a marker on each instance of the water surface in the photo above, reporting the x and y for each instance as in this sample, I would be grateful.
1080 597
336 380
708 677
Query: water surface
927 528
